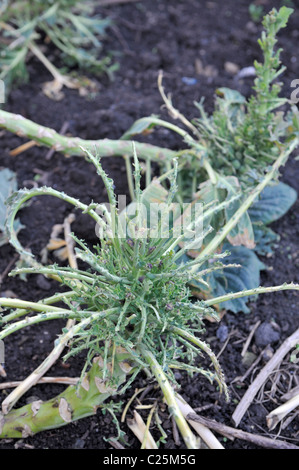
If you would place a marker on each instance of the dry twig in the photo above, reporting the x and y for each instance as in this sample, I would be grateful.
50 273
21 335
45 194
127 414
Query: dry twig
175 432
248 371
238 434
8 268
141 431
22 148
279 413
245 402
43 380
291 393
245 347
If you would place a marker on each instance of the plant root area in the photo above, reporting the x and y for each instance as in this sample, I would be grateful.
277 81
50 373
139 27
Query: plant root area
200 46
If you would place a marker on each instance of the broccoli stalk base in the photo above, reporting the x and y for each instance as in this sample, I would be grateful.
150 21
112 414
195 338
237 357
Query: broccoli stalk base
75 402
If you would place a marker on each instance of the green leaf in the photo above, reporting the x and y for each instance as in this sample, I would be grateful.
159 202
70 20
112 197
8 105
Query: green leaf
265 239
274 202
282 17
231 104
231 96
233 279
141 126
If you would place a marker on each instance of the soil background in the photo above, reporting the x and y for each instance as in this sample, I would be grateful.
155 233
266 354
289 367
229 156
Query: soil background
192 42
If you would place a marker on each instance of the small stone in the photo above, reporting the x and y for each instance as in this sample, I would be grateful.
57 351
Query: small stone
248 359
231 68
189 80
247 72
43 283
79 444
266 334
268 354
222 333
9 294
209 71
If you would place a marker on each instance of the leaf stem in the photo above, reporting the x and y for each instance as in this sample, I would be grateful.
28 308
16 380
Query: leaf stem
73 145
189 438
245 293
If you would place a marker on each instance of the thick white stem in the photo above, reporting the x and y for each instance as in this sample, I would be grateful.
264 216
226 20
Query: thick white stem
279 413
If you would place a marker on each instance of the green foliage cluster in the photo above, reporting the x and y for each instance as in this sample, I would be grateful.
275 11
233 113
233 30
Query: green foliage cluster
232 150
133 290
256 12
129 301
130 297
67 24
241 137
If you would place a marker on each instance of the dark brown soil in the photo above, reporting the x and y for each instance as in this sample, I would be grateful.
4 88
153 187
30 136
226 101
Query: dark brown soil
149 36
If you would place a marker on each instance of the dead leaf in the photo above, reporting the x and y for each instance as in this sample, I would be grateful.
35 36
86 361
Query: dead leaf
208 70
54 244
138 427
35 406
102 387
65 411
243 238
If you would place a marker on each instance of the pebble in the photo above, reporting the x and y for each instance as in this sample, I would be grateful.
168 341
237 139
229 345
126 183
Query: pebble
231 68
43 283
8 293
268 354
209 71
189 80
222 333
248 359
266 334
247 72
79 444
